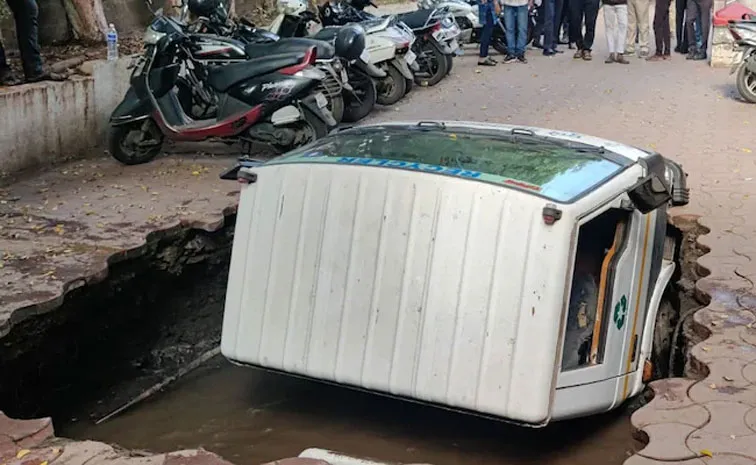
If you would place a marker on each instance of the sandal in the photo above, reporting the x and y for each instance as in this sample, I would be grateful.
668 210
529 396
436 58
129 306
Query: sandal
487 62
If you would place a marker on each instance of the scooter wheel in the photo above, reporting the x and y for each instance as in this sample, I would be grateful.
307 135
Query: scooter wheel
135 143
433 66
393 87
746 84
359 106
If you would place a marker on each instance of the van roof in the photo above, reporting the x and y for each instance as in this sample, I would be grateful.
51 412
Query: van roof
558 166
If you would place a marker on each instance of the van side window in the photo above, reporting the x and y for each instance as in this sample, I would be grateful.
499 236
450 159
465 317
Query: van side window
600 242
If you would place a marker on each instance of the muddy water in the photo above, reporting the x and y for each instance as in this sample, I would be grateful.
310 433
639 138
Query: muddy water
252 417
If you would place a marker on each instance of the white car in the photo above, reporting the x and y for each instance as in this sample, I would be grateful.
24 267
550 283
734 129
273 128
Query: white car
502 271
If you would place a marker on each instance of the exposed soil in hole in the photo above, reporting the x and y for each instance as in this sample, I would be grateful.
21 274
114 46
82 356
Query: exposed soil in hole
154 314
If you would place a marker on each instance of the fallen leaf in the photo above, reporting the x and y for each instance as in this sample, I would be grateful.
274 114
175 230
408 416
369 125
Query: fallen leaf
746 150
713 386
705 349
705 452
727 378
22 453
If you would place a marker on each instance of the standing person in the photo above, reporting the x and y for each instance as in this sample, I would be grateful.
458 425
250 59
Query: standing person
681 45
583 10
615 22
516 24
698 11
550 33
662 34
637 26
25 13
538 31
487 13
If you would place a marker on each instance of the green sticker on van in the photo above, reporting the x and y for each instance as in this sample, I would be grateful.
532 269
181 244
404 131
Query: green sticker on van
620 312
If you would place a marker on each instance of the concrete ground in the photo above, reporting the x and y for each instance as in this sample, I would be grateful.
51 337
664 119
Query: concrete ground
61 227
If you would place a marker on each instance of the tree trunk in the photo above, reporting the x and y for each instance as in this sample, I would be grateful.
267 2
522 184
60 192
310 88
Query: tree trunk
231 8
87 20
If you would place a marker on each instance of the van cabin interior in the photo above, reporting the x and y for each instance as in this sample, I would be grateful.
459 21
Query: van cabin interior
599 245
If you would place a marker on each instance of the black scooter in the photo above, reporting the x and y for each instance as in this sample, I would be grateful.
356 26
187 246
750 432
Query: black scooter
271 100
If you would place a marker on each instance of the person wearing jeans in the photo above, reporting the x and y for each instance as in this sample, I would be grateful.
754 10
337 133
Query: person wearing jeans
637 26
25 13
698 11
550 37
583 10
662 32
516 24
615 22
487 17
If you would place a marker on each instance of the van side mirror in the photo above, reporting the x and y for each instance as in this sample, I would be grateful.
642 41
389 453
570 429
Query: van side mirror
649 193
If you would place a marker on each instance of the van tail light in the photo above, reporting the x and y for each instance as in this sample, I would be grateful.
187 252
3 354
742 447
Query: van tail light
551 214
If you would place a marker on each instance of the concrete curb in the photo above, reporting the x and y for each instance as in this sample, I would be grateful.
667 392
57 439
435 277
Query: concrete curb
49 122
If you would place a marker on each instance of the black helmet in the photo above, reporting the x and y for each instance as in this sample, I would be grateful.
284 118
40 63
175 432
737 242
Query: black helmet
206 8
350 42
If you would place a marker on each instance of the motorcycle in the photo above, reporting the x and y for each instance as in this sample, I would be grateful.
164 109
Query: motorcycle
270 100
744 33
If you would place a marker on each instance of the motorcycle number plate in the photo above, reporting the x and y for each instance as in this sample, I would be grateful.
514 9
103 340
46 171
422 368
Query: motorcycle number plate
321 100
365 56
410 57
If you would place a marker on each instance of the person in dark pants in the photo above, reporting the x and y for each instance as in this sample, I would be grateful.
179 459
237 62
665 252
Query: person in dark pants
538 28
662 33
25 13
681 44
583 10
550 34
487 16
701 10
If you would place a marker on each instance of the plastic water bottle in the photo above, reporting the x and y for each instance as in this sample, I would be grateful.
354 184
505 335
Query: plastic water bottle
112 43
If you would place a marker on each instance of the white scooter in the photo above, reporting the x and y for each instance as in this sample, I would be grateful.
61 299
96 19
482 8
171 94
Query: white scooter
387 47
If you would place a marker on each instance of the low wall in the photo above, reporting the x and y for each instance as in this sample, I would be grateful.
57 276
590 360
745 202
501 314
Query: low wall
49 122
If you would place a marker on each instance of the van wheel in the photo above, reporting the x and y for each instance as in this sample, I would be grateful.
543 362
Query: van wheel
662 345
393 87
136 142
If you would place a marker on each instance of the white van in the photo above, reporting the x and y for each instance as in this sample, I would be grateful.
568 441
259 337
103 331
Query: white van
503 271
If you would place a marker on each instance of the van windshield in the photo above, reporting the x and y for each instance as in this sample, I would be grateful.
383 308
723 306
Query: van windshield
547 167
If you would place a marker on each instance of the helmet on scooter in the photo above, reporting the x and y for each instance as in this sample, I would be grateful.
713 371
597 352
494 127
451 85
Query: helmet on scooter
350 42
205 8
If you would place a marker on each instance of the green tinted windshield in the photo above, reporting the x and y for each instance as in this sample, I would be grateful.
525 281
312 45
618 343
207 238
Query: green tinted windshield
551 168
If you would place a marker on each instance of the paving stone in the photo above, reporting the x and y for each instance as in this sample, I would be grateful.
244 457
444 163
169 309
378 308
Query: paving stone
726 419
749 372
639 460
693 415
26 433
750 419
298 461
737 391
670 393
83 452
667 442
721 346
37 456
741 445
729 459
748 335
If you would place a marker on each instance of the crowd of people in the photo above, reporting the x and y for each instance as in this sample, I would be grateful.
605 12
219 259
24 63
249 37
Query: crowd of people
573 23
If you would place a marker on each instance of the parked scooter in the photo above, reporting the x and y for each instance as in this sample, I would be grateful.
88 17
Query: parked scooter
466 15
270 100
435 46
389 43
744 33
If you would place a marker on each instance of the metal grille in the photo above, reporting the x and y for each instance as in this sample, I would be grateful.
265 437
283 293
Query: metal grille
330 86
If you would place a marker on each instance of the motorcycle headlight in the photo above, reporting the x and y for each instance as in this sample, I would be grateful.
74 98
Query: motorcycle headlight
447 22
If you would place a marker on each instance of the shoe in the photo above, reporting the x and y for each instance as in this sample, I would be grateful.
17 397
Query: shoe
549 52
510 59
629 51
610 59
666 57
691 53
619 58
699 55
643 54
587 55
45 75
578 55
522 59
7 78
655 57
537 44
486 62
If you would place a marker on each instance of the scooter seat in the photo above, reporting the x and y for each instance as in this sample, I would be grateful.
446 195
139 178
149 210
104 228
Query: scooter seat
327 34
324 50
221 78
415 19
